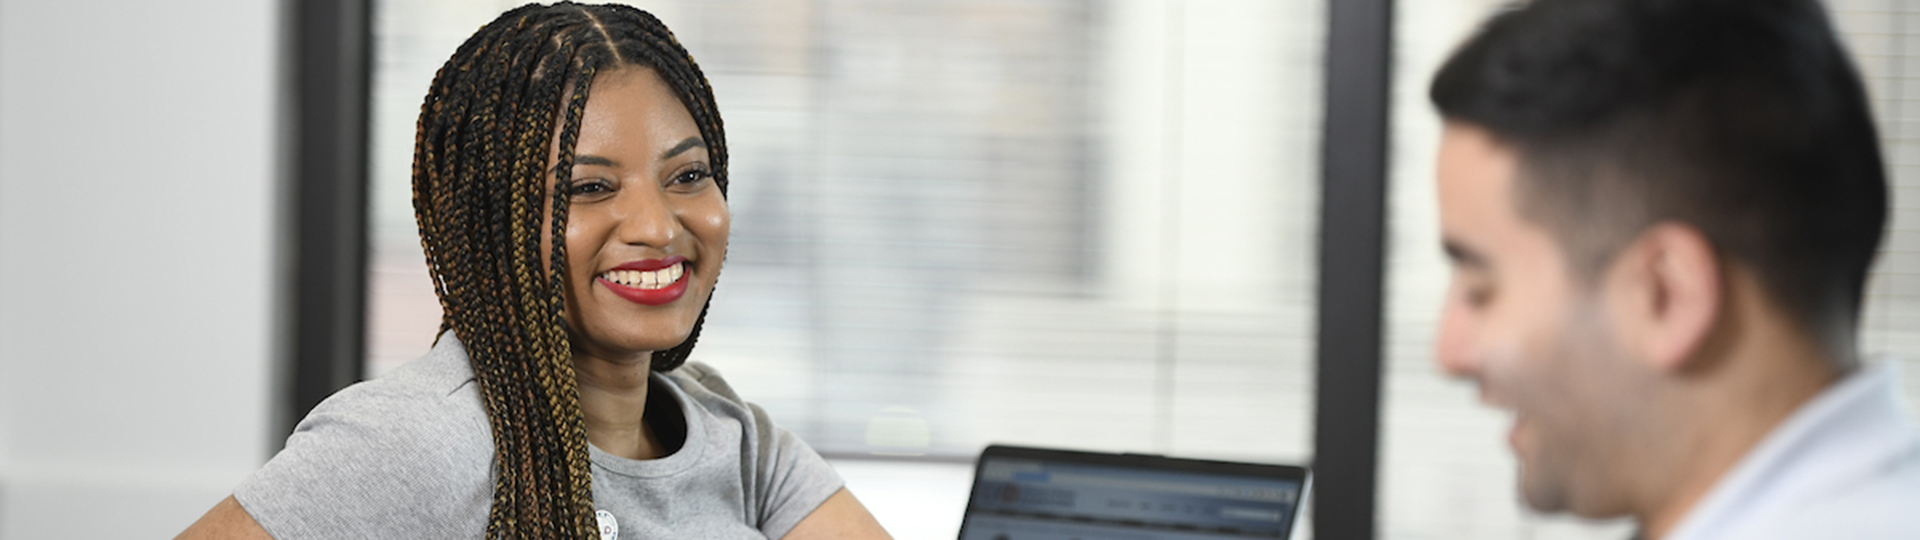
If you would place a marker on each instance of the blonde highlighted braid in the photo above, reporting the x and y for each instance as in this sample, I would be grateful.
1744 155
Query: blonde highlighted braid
480 181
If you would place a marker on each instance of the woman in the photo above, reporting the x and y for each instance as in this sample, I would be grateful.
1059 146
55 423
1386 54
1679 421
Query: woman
555 404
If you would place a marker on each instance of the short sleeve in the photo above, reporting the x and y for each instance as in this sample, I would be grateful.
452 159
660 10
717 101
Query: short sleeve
789 479
793 478
379 459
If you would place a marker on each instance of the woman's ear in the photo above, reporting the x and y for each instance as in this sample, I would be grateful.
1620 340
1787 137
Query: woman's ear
1665 294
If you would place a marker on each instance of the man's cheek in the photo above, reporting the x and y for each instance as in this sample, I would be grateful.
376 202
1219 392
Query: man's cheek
1505 358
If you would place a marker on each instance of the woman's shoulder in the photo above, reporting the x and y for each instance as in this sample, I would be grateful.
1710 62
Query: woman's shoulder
417 434
432 393
700 378
784 478
442 371
702 387
431 402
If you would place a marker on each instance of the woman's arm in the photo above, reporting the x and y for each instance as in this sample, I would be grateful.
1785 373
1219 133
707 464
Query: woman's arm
841 516
228 520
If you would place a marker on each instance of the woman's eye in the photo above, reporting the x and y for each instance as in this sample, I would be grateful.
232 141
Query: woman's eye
691 177
588 187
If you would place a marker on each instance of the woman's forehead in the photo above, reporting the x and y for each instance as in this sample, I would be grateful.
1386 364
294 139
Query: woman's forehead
630 111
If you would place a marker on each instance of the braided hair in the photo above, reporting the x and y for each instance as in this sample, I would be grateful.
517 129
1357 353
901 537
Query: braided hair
479 179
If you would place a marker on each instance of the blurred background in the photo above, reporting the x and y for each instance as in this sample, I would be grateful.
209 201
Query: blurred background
1070 223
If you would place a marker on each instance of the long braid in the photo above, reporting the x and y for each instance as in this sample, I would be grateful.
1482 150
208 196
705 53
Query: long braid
481 195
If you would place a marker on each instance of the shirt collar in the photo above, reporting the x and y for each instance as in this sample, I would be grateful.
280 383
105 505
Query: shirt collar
1837 439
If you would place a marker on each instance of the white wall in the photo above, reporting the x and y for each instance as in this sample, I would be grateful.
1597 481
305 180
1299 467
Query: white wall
137 228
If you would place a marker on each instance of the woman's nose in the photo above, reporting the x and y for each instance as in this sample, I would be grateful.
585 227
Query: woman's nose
647 217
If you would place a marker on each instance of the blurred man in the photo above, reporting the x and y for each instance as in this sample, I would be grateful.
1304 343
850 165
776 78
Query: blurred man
1660 215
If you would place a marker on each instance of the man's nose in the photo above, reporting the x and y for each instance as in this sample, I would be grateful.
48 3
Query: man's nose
1454 348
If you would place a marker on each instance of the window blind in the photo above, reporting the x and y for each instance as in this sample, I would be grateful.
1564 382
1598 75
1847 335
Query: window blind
1063 223
1884 37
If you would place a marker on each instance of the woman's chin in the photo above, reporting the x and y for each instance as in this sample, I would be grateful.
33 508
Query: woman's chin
625 347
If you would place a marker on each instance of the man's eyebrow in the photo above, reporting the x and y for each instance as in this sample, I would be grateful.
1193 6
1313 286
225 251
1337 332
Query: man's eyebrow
684 146
1462 255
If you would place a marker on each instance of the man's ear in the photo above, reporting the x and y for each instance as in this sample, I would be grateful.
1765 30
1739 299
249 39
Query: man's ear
1665 294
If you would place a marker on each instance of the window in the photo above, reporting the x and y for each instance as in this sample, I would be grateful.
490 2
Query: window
1058 223
1884 37
1073 223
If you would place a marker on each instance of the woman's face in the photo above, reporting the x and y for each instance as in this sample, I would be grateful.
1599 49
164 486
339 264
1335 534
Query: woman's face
647 226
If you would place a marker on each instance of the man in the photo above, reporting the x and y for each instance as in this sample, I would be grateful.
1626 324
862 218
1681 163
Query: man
1660 216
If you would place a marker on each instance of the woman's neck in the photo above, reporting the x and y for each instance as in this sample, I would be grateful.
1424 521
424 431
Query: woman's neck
613 398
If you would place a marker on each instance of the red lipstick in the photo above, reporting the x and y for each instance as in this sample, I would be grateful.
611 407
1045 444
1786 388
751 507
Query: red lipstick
651 297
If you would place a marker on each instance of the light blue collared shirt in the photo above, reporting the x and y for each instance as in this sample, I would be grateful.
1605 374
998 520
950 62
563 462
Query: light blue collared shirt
1845 466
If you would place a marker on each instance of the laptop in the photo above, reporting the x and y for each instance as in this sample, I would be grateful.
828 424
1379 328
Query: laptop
1040 494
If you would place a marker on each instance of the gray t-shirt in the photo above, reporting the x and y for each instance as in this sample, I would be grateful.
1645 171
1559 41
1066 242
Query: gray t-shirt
411 455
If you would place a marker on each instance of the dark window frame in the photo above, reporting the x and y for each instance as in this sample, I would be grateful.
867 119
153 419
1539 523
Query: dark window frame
324 272
1353 249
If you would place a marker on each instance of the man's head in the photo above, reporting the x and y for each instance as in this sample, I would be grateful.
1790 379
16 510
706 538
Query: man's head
1616 178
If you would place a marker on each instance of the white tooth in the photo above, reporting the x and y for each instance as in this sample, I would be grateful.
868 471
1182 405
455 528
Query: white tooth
630 278
646 280
679 269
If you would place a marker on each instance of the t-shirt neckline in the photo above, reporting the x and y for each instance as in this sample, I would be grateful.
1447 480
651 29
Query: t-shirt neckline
691 450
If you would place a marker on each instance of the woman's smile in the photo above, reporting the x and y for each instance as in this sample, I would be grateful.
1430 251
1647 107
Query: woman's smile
651 282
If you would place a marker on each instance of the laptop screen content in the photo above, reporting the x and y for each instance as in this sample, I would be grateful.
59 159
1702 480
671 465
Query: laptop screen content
1039 499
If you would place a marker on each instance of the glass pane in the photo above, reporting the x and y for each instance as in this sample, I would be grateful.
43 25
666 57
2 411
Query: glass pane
1884 36
1061 223
1446 470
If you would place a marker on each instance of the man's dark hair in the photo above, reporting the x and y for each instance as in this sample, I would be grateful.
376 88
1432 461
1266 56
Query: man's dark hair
1742 118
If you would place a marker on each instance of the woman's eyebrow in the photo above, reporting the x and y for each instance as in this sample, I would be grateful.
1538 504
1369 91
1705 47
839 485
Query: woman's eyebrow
685 145
594 160
688 144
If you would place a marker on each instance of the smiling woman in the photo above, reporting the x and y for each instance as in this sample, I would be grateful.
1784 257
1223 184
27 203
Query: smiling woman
647 223
570 186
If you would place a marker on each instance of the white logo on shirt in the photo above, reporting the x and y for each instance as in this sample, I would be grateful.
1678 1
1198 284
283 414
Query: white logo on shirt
609 527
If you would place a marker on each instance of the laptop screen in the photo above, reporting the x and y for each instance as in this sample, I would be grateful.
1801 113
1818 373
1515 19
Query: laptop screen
1030 494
